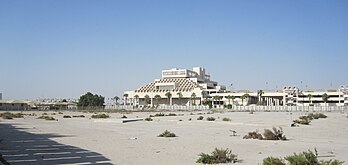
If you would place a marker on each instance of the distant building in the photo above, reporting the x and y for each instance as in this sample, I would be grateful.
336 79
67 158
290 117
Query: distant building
0 96
186 87
14 105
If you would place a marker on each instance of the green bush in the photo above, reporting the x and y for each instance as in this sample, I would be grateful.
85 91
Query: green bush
148 119
167 133
273 161
171 114
9 115
66 116
46 117
200 118
217 156
159 115
320 115
100 116
211 119
302 121
226 119
305 120
304 158
79 116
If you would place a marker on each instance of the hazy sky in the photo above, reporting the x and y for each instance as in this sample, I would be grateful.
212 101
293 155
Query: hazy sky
64 48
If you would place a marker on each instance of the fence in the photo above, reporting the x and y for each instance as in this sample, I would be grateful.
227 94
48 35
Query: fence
236 108
160 107
290 108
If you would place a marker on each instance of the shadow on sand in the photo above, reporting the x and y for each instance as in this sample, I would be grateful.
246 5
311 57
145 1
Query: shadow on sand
20 147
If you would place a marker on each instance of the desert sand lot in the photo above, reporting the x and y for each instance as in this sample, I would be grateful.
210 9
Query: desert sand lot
30 140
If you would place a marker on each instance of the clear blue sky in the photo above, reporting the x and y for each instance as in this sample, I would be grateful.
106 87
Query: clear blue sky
64 48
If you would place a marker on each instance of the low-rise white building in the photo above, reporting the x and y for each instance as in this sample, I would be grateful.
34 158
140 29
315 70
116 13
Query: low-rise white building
14 105
185 87
191 87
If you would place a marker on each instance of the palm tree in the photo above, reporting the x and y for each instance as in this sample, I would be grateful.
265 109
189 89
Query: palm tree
180 96
116 98
157 98
259 94
325 97
125 98
169 96
136 98
147 99
229 97
244 97
193 97
217 98
310 98
204 95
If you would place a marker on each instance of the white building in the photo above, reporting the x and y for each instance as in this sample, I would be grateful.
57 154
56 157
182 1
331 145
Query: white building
186 87
191 87
289 96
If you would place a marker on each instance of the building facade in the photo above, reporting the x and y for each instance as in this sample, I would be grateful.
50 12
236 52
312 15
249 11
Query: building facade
177 86
192 87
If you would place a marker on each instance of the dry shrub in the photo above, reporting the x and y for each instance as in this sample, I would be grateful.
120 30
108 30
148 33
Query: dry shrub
167 133
217 156
277 134
100 116
148 119
9 115
273 161
253 135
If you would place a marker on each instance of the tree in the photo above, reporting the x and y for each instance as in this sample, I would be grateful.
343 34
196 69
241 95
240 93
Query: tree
310 98
259 94
217 98
325 98
180 96
169 96
136 98
125 98
229 97
204 95
90 100
244 97
193 97
64 101
116 98
157 98
147 99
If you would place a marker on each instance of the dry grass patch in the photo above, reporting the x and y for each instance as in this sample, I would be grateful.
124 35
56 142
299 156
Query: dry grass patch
9 115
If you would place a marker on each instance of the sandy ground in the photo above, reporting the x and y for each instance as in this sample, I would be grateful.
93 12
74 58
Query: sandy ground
108 141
